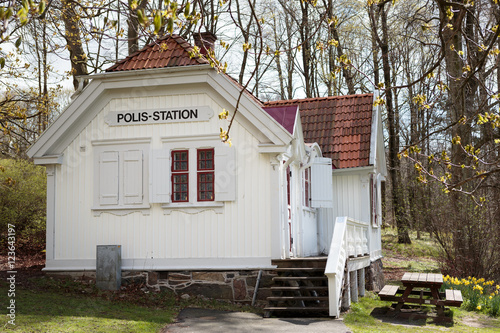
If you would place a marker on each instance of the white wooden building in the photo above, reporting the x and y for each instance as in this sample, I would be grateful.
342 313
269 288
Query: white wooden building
136 160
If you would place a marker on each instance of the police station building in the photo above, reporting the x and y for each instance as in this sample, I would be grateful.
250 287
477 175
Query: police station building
136 160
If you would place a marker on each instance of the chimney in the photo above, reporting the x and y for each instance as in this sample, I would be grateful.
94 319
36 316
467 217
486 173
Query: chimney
204 41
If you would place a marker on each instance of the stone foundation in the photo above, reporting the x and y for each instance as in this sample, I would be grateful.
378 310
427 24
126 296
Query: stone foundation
374 276
237 286
230 285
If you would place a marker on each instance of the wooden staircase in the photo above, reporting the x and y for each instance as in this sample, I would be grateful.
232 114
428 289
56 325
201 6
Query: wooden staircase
300 289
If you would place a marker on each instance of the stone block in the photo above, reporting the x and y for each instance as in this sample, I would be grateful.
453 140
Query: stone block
179 276
208 276
251 280
240 289
153 278
374 276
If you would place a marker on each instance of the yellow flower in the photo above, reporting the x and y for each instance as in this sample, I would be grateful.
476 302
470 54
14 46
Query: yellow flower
491 297
479 307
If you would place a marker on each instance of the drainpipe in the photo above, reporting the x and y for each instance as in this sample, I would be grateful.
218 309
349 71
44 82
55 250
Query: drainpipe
256 288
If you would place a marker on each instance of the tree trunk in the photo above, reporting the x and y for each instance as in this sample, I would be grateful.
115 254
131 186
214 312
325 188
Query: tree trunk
346 72
306 48
394 163
73 39
133 27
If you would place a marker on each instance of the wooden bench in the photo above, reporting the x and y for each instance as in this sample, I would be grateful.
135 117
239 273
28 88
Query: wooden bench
388 293
453 298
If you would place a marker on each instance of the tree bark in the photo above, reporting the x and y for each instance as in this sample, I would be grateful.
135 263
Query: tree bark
73 39
133 27
402 222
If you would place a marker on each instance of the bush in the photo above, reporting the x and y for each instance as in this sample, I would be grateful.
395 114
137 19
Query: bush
22 202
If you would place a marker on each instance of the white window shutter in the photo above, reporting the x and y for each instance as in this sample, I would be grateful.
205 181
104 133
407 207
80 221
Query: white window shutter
159 179
132 177
108 178
225 173
321 183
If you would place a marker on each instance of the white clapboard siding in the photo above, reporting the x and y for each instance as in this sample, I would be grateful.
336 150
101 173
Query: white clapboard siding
241 231
346 193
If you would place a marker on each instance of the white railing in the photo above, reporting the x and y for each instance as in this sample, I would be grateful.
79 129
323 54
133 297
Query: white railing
350 239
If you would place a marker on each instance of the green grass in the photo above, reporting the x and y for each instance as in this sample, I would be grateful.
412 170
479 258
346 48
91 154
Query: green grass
425 247
52 305
49 311
362 318
421 256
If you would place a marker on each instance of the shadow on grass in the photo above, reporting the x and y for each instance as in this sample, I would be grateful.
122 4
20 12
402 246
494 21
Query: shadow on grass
411 317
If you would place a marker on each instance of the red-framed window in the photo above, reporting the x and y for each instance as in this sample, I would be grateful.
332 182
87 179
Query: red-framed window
307 187
205 176
180 175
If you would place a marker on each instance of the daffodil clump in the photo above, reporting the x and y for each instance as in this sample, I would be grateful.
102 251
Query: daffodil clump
478 294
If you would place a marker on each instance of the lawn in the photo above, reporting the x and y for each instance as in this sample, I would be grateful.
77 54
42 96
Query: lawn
52 311
421 256
44 304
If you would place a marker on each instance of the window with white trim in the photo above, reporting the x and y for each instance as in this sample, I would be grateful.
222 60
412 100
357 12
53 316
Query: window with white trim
205 177
180 175
199 175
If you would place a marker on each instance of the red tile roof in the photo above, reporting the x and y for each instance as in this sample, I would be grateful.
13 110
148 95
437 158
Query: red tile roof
169 51
341 125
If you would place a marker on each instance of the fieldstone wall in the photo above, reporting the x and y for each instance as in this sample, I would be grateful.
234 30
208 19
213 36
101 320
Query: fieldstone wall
238 286
374 276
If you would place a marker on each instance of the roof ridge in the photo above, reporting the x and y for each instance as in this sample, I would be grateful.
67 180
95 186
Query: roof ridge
312 99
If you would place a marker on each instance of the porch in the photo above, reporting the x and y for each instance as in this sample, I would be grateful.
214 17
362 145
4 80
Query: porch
321 286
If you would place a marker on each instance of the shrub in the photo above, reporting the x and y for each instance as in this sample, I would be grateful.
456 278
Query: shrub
22 202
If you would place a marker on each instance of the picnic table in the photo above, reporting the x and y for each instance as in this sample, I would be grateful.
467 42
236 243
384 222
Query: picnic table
421 289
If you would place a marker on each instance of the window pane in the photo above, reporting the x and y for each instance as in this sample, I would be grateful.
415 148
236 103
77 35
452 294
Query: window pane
205 159
180 160
180 185
205 186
